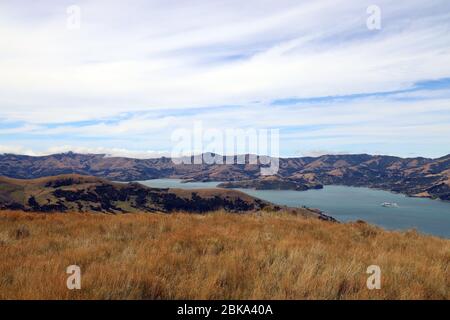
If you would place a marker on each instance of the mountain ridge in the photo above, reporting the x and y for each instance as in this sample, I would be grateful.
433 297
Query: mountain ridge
419 176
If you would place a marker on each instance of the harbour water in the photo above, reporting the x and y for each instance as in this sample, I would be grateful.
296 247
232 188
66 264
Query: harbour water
350 204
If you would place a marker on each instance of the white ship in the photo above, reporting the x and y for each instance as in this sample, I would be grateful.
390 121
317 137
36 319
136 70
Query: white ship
389 205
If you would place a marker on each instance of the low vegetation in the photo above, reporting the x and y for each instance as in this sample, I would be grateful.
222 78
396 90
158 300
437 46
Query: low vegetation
77 193
214 256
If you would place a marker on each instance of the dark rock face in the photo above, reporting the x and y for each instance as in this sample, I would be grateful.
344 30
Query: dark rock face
442 189
413 176
35 206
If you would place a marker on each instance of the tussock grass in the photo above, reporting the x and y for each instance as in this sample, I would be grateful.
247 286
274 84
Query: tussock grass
214 256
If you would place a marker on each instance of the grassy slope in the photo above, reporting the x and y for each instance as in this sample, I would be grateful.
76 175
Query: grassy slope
152 256
19 191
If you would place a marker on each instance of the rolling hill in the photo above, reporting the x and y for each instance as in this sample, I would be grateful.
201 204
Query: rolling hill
77 193
421 177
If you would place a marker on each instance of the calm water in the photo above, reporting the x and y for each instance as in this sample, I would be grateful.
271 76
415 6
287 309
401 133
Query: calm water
349 204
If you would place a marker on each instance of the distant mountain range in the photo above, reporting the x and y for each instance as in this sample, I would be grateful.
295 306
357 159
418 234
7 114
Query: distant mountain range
420 177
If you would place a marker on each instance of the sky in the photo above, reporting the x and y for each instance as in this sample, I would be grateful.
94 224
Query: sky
127 74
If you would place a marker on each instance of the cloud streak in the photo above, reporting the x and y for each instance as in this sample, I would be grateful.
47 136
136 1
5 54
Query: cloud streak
134 72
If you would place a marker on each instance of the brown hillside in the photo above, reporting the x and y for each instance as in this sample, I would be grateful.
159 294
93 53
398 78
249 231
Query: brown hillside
77 193
411 176
214 256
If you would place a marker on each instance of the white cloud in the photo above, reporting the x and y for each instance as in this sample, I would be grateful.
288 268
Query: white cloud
302 49
108 152
17 150
155 56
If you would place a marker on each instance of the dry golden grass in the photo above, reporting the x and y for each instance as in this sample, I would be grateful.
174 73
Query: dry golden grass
215 256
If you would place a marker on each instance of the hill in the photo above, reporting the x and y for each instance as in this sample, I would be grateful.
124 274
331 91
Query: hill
420 177
214 256
271 183
76 193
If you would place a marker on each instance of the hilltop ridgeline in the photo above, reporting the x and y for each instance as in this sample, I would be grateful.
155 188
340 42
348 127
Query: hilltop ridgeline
420 177
76 193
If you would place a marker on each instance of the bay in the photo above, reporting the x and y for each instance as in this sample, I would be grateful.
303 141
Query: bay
350 204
